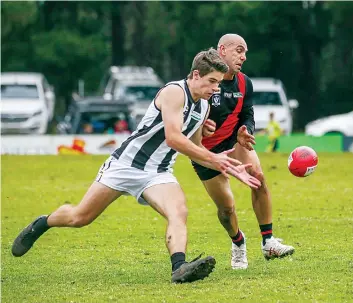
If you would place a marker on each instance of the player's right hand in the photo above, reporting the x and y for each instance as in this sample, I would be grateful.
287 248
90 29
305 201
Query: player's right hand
240 172
222 162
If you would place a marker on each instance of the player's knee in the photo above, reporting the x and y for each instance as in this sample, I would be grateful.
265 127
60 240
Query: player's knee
257 173
263 188
182 213
260 176
179 214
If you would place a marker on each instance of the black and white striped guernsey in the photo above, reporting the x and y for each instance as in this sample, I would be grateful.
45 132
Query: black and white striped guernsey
146 148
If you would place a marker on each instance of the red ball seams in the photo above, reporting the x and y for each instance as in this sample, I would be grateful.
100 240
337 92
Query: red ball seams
302 161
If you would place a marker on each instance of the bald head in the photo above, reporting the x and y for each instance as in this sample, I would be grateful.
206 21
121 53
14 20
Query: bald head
232 48
229 39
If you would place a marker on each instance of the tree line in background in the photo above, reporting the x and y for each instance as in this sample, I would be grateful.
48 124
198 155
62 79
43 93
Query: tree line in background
308 45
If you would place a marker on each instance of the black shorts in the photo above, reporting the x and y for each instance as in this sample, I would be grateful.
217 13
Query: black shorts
205 173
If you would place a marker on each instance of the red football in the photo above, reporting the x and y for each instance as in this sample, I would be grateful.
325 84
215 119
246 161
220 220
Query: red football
302 161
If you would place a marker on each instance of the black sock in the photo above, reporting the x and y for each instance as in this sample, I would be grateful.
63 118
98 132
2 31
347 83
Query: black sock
238 239
266 232
41 225
177 259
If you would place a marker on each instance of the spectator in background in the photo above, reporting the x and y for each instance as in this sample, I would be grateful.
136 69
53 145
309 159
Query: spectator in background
274 131
87 128
119 127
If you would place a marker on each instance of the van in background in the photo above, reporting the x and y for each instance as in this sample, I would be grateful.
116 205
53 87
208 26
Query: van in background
269 96
139 84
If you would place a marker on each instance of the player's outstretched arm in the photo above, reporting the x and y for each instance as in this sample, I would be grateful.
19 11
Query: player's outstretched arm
171 103
237 169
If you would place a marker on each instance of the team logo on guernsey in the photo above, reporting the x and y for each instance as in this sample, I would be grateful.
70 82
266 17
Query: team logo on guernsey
186 110
216 100
196 116
237 95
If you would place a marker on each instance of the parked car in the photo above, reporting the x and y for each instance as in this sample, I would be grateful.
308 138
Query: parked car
94 115
269 96
139 84
336 124
27 103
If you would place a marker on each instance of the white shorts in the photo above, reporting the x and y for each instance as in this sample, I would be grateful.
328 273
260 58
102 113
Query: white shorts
130 180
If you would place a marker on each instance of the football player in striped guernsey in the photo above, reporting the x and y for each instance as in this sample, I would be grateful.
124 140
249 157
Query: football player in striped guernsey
143 167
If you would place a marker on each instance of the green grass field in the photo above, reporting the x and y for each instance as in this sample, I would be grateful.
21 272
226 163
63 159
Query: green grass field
121 257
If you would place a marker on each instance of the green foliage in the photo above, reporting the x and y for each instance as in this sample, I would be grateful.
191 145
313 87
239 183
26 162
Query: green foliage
306 44
121 257
66 45
17 15
59 51
17 19
337 60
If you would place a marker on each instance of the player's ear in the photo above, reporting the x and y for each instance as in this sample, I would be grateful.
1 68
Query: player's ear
196 74
222 50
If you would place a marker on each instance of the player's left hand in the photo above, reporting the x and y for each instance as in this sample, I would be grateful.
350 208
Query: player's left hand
208 128
240 172
245 139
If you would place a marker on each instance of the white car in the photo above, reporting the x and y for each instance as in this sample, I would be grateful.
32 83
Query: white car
269 96
27 103
336 124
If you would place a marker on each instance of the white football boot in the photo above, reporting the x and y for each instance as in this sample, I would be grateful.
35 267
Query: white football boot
239 259
275 249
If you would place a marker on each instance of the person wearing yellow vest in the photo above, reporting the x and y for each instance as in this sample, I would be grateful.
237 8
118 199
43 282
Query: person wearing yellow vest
273 131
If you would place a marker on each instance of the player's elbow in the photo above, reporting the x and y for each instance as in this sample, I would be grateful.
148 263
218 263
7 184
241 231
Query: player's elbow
171 141
172 137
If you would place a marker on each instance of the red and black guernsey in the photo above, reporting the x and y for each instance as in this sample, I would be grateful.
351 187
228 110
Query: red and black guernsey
230 108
